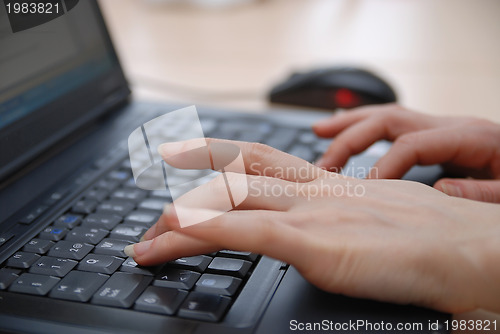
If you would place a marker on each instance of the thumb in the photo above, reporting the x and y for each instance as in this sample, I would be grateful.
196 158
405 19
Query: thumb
479 190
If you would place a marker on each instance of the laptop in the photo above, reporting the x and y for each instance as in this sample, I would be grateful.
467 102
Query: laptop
69 205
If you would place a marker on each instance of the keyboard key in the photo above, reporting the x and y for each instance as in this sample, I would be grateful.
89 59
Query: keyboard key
134 195
254 137
176 278
97 194
130 183
68 221
78 286
308 137
126 164
56 196
98 263
322 145
53 233
128 232
227 266
208 125
70 250
39 246
4 237
238 255
160 300
152 204
145 218
112 247
130 266
303 152
85 206
106 221
197 263
282 138
22 260
119 175
121 290
34 214
8 276
163 194
107 184
229 134
90 235
218 284
120 208
249 125
34 284
204 306
52 266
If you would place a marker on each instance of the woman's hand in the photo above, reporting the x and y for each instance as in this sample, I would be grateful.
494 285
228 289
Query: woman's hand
471 147
388 240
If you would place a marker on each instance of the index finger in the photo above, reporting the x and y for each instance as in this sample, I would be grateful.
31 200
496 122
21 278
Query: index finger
258 159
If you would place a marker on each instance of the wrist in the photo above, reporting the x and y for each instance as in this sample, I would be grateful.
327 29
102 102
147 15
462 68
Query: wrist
482 250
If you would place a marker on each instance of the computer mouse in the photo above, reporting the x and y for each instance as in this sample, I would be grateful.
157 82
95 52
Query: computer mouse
331 88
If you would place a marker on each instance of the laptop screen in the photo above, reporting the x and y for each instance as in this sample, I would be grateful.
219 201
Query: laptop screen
55 74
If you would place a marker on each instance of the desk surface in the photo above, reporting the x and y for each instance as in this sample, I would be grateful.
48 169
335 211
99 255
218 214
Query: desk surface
443 57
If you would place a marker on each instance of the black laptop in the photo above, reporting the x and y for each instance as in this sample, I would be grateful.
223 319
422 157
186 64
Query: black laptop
69 205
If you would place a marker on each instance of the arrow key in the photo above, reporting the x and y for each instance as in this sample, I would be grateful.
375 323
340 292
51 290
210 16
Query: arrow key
176 278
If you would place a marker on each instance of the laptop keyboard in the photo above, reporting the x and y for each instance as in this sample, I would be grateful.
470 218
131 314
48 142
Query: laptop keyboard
79 256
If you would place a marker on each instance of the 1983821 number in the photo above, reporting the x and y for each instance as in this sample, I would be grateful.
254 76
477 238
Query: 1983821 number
32 8
471 325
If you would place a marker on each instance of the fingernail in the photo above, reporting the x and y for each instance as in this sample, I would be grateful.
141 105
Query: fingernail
167 209
451 189
168 149
138 249
143 238
129 250
320 123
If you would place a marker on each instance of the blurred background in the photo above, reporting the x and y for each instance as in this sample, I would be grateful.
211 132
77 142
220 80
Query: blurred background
441 56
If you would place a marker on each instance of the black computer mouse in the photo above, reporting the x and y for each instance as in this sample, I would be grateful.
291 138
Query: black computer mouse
331 88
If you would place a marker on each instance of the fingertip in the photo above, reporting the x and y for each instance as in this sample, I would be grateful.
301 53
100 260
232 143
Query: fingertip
139 249
450 188
129 251
320 162
321 123
161 149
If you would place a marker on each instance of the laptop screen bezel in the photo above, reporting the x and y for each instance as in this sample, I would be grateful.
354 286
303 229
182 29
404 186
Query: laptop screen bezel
26 139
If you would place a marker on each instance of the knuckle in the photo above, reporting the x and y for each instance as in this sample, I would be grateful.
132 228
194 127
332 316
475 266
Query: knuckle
257 152
269 231
486 192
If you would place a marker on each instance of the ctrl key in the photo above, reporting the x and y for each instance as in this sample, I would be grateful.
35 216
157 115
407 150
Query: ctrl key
204 306
34 284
